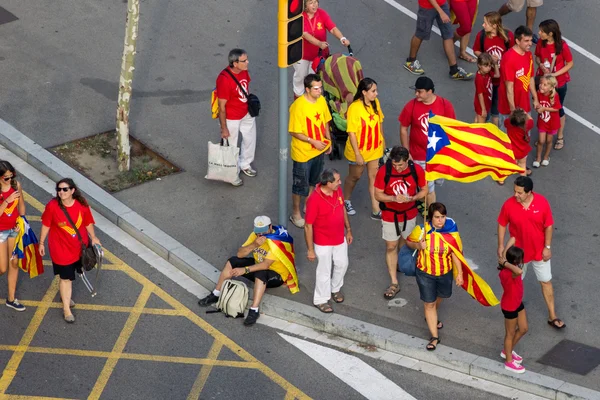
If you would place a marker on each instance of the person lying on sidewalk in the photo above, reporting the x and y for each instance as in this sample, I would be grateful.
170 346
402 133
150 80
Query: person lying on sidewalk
266 258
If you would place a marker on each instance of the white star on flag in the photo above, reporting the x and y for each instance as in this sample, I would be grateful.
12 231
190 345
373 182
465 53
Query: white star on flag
432 141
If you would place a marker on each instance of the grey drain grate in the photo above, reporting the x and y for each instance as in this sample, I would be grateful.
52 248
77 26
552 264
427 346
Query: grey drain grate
572 356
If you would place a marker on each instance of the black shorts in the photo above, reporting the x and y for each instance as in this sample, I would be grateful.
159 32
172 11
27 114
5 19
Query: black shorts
513 314
270 278
431 287
67 272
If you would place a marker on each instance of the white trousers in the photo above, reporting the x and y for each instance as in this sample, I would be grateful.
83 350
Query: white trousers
247 127
329 281
301 69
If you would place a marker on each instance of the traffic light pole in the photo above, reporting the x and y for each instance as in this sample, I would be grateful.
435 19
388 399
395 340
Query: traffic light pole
283 146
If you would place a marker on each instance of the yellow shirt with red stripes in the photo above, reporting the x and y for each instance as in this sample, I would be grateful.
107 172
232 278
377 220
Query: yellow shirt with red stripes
366 125
308 119
436 260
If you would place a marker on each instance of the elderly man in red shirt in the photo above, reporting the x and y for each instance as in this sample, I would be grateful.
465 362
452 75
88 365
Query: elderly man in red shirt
326 241
529 219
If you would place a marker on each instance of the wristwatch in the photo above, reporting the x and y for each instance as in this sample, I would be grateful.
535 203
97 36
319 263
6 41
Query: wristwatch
548 247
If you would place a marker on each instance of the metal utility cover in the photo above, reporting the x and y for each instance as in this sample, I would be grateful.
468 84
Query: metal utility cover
6 16
572 356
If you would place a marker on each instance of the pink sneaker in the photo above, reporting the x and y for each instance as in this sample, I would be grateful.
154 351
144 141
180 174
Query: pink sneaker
516 358
514 367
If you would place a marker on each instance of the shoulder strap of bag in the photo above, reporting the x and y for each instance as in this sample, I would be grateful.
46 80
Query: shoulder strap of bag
72 224
236 81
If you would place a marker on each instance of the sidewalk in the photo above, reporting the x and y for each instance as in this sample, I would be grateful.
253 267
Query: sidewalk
371 320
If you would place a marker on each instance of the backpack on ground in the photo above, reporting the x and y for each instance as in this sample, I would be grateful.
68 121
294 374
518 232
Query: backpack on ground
233 299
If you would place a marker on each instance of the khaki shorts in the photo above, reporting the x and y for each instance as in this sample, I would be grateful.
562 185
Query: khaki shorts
542 270
517 5
388 229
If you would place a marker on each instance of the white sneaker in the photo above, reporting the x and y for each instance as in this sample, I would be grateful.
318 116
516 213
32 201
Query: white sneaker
536 164
237 182
545 163
349 209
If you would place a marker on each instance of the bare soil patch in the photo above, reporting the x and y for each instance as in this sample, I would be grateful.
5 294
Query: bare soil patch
96 158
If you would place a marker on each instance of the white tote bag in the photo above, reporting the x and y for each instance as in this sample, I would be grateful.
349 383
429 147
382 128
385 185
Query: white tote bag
223 162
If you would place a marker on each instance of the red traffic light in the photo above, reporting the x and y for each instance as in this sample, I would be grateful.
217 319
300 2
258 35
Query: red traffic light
294 8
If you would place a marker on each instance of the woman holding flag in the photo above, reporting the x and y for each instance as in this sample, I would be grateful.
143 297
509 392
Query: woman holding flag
12 205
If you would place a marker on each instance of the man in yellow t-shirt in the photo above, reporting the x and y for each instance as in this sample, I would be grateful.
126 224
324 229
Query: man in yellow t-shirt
309 128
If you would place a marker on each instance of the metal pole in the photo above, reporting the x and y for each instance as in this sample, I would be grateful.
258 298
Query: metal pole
283 146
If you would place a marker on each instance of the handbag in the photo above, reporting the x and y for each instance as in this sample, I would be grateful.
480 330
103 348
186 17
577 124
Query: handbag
407 261
253 101
88 254
223 162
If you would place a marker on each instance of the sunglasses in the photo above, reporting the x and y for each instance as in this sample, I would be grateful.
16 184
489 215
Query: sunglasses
8 178
63 189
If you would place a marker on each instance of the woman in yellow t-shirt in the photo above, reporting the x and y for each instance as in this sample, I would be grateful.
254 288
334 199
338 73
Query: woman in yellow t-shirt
365 142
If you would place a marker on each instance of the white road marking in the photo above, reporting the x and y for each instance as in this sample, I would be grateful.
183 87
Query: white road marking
574 46
353 371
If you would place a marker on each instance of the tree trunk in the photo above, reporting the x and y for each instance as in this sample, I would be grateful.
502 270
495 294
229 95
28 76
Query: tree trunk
125 81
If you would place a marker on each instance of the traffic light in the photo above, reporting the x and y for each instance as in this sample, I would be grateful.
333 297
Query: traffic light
291 27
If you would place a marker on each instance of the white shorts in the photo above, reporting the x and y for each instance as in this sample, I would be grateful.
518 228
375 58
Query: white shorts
517 5
541 268
430 184
388 230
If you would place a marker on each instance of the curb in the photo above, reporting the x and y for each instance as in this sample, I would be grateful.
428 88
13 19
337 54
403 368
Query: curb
206 275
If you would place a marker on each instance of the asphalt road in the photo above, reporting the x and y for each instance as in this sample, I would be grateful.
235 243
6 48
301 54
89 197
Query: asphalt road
60 66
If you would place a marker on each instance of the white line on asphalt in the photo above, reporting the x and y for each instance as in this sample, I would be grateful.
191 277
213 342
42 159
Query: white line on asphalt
576 47
353 371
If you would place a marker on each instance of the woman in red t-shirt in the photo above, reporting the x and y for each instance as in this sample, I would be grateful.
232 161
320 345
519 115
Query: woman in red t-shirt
554 57
511 304
63 241
316 25
11 206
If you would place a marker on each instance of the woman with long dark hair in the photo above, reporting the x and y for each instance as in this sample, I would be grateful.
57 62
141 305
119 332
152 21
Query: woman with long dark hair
12 205
554 57
365 142
63 241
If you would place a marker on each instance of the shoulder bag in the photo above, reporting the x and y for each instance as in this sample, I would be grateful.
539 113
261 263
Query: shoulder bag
253 101
88 254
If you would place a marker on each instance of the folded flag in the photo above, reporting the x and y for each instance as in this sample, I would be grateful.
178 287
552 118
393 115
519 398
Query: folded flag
468 152
26 249
281 244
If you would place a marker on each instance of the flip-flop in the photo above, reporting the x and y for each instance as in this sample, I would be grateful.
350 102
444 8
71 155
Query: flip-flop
338 297
554 323
559 144
470 60
297 223
324 308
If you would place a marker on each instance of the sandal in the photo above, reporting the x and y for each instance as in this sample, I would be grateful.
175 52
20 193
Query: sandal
325 308
555 323
559 144
391 291
468 58
297 223
338 297
430 346
528 172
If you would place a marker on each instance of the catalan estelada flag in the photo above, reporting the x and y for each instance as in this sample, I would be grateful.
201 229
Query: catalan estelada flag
468 152
26 249
473 283
281 244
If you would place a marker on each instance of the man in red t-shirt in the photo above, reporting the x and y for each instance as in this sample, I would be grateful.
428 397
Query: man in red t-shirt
516 76
529 219
415 115
326 241
233 110
398 191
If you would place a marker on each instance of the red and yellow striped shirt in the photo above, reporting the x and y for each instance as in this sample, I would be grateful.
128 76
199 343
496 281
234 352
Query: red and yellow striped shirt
436 260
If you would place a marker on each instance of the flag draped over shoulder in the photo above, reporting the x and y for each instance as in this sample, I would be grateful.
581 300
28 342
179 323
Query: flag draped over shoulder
472 283
464 152
26 249
281 244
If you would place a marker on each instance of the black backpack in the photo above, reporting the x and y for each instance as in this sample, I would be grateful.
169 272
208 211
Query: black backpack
388 175
482 39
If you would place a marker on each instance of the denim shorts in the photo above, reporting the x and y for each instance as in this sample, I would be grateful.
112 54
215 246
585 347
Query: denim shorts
425 18
10 233
305 174
431 287
562 93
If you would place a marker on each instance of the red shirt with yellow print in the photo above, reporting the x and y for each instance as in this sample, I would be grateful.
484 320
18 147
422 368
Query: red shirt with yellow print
436 260
366 125
8 219
63 242
317 26
308 119
518 69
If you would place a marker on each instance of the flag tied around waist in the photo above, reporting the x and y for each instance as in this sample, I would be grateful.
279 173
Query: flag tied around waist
472 283
281 244
26 249
464 152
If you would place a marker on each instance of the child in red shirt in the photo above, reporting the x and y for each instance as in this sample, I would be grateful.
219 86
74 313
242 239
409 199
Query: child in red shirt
515 318
484 87
518 126
548 121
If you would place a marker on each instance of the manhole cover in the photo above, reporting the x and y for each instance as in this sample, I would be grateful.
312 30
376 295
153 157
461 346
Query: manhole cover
573 357
6 16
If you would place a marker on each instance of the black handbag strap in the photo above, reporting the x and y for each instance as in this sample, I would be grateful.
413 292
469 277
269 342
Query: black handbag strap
236 81
72 224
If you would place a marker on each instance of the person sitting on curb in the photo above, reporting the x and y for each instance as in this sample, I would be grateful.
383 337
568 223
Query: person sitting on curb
266 258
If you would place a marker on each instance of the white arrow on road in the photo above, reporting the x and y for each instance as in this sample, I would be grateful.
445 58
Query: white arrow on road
357 374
